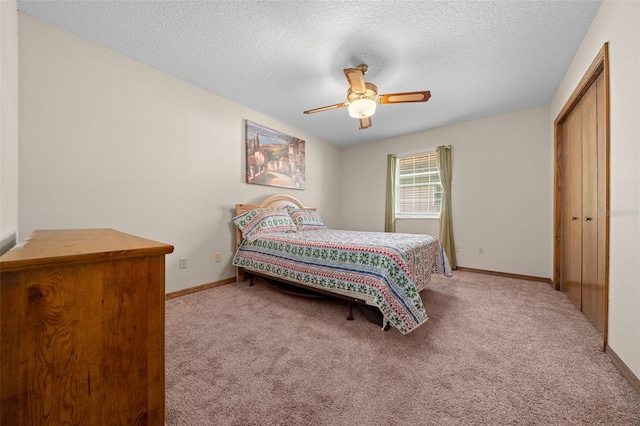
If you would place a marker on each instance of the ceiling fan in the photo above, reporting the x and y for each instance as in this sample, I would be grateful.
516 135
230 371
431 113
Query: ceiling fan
362 97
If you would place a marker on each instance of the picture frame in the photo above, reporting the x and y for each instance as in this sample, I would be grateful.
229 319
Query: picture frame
274 158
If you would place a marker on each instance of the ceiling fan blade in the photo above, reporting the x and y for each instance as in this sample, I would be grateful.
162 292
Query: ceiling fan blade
326 108
355 77
365 123
398 98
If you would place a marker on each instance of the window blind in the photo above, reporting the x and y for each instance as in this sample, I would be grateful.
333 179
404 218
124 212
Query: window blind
418 187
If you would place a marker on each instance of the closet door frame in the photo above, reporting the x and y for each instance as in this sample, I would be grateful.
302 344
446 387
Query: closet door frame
599 67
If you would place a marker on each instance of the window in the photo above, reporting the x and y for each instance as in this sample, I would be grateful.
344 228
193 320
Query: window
418 187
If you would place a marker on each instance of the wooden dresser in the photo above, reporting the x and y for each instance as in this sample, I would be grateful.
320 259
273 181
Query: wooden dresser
82 329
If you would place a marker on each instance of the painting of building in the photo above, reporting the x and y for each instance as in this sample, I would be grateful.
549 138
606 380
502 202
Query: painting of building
274 158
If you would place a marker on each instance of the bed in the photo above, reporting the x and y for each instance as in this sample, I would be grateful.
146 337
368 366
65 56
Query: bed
283 240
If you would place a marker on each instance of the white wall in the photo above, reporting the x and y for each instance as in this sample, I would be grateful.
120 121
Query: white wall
106 141
501 189
617 22
8 124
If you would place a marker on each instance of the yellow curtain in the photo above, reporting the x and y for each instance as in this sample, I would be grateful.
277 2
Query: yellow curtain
390 207
446 223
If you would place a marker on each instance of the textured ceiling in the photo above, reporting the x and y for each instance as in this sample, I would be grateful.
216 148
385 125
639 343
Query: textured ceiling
478 58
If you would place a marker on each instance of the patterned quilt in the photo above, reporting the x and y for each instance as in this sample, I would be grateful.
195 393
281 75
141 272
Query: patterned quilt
390 268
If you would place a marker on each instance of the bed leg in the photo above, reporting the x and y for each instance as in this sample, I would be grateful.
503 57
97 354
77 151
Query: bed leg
350 317
251 281
385 324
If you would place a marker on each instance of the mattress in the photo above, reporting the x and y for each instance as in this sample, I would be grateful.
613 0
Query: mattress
386 270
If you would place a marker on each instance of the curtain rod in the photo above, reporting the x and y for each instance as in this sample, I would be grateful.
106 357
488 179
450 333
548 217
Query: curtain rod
406 154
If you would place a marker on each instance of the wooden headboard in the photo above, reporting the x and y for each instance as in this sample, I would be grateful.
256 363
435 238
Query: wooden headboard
273 202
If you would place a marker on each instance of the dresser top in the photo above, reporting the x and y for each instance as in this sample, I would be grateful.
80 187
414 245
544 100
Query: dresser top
60 246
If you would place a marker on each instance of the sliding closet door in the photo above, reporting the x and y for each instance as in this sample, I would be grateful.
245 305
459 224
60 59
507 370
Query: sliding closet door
582 213
592 286
572 207
581 199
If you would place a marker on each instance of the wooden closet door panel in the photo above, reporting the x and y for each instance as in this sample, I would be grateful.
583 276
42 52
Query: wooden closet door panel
589 100
592 289
603 204
571 258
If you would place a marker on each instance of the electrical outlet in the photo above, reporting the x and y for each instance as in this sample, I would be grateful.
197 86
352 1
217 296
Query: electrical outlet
218 257
183 263
457 248
480 250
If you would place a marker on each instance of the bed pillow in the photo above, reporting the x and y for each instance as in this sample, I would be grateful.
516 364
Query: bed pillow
289 208
307 220
255 223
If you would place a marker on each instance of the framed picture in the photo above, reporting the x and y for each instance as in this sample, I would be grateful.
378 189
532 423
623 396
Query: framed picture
273 158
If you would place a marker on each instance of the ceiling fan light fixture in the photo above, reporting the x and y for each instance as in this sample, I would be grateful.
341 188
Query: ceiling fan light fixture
363 97
362 108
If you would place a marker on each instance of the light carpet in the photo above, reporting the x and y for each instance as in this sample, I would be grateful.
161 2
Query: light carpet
495 351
